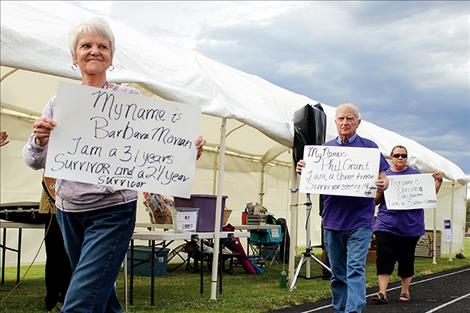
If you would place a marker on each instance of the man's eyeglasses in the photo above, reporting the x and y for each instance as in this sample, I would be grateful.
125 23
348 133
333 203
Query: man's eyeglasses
397 155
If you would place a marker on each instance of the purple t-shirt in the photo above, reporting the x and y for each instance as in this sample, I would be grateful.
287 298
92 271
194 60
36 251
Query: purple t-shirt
408 223
345 212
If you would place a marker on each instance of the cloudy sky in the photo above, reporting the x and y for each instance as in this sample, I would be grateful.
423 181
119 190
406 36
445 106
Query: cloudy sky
406 65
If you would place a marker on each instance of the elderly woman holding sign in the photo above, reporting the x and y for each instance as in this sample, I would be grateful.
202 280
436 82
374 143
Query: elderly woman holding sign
397 232
348 221
96 221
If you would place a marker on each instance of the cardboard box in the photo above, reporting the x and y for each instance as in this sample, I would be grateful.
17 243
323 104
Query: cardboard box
255 219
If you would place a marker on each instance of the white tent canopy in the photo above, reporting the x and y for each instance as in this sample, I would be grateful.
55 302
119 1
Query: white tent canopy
35 56
34 38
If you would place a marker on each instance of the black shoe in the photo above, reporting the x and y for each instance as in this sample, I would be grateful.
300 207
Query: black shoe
379 298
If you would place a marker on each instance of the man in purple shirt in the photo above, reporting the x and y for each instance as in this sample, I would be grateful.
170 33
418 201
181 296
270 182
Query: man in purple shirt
348 222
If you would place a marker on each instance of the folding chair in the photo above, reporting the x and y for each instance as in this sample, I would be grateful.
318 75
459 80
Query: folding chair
267 243
177 252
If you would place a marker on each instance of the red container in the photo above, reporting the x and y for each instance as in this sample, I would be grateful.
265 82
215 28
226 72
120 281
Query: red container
206 212
244 214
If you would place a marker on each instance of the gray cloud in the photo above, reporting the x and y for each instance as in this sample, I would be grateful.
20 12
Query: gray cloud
405 64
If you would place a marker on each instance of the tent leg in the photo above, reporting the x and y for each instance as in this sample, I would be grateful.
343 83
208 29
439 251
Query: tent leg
451 221
293 225
434 236
218 211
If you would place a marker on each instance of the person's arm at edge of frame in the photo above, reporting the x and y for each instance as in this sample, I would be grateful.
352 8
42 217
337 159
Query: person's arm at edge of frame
437 180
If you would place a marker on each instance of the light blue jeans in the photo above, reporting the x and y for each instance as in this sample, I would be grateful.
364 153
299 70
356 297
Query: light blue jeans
96 243
347 252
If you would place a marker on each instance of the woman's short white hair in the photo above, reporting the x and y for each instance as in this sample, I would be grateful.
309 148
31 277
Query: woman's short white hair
95 25
351 107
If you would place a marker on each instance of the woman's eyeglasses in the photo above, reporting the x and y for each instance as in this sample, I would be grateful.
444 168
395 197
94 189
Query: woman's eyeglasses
397 155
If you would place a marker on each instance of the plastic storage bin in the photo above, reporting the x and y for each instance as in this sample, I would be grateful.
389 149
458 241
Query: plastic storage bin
142 260
206 213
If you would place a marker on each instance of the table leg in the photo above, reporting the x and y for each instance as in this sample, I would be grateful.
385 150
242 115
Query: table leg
20 233
247 246
4 249
131 289
152 274
201 270
219 268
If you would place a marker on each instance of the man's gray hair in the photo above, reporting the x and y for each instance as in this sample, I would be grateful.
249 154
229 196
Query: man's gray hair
351 107
94 25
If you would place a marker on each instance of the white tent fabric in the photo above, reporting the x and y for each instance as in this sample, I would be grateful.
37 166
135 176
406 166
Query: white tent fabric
34 40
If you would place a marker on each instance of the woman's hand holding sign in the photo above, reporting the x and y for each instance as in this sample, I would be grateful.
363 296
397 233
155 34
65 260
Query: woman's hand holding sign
200 142
42 130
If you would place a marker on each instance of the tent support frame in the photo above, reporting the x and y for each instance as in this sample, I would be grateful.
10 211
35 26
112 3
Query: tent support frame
218 210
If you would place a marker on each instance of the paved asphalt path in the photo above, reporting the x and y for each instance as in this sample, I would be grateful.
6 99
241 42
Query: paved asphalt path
443 292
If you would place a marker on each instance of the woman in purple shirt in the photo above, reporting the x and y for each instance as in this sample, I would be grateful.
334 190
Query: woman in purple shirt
397 232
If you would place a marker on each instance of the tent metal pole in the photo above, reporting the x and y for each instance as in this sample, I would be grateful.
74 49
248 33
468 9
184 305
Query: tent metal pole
261 191
309 240
214 174
451 221
293 223
218 211
434 236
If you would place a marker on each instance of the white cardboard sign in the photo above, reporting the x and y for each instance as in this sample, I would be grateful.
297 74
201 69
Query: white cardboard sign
344 171
415 191
122 140
186 219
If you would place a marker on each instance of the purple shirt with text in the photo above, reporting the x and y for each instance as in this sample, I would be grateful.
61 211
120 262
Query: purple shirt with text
408 223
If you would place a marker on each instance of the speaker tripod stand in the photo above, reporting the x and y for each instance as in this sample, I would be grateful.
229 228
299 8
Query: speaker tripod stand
307 255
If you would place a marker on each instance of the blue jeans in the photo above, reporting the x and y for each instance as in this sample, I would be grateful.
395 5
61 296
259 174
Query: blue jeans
347 252
96 243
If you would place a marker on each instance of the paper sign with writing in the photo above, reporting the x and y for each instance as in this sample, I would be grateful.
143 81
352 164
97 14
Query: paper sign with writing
405 192
124 141
343 171
186 219
447 231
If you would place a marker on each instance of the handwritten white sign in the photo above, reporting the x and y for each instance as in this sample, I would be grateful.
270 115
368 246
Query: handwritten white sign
126 141
405 192
344 171
186 219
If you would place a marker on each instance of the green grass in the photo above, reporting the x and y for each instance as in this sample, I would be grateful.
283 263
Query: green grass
179 290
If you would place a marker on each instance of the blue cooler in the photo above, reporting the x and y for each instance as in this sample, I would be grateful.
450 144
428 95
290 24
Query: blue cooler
266 236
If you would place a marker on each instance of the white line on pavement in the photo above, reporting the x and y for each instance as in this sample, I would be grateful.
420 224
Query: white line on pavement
413 283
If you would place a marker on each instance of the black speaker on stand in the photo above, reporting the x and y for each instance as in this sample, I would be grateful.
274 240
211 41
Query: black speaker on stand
310 129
